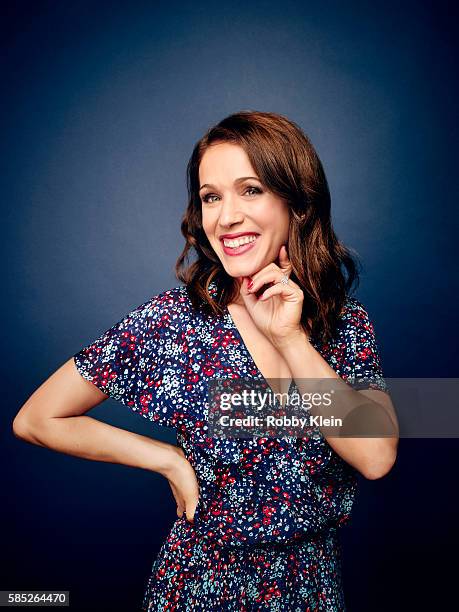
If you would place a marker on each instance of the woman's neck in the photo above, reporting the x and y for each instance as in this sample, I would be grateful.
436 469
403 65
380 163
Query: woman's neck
238 299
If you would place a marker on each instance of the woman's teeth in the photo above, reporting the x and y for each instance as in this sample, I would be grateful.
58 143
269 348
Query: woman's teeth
238 241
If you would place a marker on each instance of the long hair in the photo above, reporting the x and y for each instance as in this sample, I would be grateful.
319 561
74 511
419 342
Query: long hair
289 167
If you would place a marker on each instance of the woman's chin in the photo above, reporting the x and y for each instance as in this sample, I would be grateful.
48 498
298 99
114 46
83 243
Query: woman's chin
244 270
240 273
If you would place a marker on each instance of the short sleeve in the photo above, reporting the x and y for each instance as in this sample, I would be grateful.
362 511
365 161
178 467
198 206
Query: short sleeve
139 360
367 372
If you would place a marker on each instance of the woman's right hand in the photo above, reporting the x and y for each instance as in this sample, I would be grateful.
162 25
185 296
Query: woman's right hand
184 484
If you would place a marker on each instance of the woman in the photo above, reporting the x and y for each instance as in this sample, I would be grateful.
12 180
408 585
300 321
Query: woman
266 300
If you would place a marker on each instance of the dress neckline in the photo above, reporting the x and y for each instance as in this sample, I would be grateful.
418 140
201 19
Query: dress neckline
253 366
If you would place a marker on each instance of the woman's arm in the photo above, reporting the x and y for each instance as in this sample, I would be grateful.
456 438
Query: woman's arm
371 456
53 417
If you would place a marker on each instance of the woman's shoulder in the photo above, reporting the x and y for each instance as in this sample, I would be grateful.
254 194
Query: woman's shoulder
353 310
170 303
353 316
162 316
175 296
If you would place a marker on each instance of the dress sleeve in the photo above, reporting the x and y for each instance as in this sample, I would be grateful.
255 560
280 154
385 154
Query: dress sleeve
367 372
138 361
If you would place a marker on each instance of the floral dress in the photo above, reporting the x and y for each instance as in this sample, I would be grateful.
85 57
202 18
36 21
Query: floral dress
266 528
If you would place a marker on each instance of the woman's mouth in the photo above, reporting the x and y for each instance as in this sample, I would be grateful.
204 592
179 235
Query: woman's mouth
238 246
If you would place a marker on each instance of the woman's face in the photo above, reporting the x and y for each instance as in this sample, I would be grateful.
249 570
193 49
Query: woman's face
231 203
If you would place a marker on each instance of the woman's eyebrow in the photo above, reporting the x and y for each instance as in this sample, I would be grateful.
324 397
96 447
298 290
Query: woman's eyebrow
236 181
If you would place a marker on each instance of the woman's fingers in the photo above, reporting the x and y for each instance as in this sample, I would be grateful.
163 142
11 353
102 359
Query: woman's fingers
267 276
181 504
190 510
180 511
185 488
183 507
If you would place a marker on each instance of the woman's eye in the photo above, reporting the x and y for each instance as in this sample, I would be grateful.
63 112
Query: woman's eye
209 195
254 190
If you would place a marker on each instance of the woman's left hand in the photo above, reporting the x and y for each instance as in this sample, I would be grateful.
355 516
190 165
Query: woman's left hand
277 312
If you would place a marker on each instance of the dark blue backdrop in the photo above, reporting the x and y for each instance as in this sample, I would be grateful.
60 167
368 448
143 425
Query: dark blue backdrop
102 105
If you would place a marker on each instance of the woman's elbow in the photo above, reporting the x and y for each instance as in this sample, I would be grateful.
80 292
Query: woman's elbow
26 429
20 429
379 467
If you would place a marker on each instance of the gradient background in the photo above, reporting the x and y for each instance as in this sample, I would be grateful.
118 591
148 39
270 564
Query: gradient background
102 104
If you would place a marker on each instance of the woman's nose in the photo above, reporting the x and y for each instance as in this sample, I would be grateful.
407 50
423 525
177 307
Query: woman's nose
230 212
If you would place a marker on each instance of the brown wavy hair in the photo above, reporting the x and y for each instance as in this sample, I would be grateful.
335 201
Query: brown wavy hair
289 167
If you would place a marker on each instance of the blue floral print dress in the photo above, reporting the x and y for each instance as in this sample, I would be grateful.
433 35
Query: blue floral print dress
266 528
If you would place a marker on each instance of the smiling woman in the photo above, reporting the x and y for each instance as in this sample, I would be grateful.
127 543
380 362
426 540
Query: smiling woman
259 217
266 300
